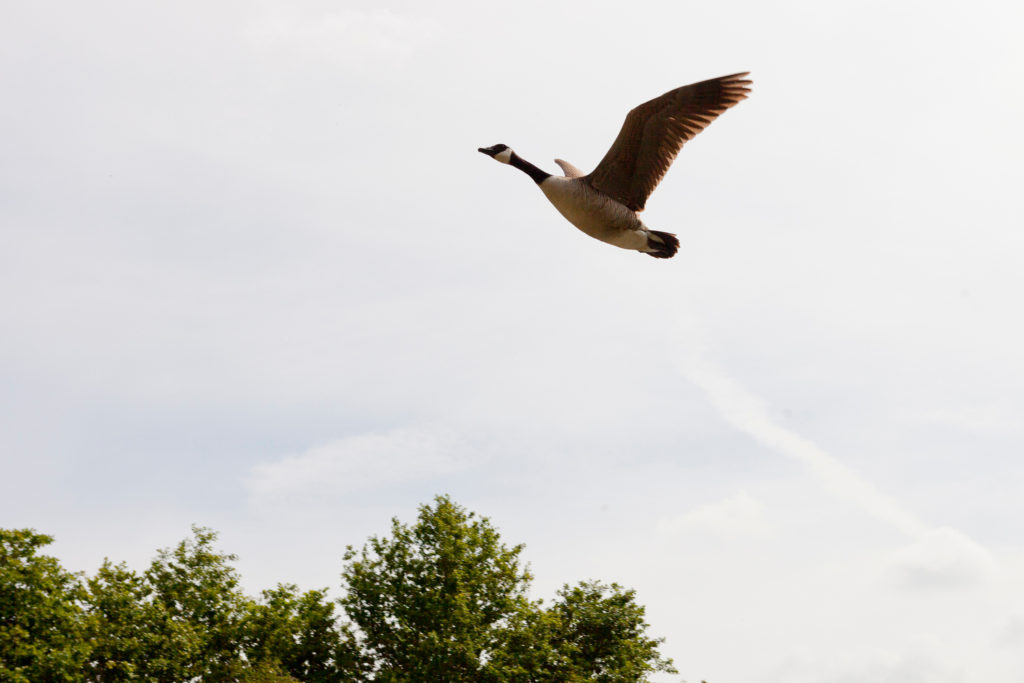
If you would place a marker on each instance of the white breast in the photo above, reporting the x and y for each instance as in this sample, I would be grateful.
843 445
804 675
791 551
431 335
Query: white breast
594 213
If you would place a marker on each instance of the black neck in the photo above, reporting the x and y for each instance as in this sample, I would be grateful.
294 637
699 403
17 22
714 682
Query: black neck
529 169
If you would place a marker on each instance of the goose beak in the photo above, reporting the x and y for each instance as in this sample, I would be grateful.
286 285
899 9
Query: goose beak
481 150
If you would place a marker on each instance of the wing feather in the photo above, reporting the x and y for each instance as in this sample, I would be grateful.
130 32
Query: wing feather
655 131
569 170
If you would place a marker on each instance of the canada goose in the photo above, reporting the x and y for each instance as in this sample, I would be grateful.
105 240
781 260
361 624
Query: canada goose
605 203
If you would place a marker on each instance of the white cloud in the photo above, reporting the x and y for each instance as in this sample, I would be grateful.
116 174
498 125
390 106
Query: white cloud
943 558
1012 633
738 515
746 412
357 463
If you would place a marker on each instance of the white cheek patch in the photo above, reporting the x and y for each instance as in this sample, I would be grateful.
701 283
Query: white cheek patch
504 156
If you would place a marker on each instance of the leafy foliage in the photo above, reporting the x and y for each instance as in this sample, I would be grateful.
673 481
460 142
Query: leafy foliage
197 588
600 629
301 634
40 613
267 671
593 632
133 636
432 601
441 599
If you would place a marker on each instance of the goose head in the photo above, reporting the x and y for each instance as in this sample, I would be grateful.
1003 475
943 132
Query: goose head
499 152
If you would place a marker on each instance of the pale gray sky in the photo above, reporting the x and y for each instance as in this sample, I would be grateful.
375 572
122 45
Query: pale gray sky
254 275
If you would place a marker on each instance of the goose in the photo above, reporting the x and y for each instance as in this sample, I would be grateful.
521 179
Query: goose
606 202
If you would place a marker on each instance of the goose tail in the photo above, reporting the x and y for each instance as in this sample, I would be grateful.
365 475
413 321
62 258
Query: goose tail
661 244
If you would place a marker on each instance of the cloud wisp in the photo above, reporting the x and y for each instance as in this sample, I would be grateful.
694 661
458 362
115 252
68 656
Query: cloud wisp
357 463
742 409
738 515
942 558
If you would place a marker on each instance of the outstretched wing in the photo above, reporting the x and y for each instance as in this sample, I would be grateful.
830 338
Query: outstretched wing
654 132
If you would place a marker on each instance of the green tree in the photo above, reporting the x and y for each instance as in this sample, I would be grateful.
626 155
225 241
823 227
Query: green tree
185 619
433 601
443 599
200 608
41 616
528 652
301 635
133 636
592 632
266 672
602 636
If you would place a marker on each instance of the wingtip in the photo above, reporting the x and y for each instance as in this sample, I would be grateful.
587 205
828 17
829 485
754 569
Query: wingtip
741 79
738 85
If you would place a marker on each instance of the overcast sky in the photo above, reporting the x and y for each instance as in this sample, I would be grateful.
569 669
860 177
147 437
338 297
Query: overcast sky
254 275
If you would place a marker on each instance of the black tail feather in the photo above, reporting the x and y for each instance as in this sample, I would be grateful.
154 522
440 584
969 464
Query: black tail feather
662 244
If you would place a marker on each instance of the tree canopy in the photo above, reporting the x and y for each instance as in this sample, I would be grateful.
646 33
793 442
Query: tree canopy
441 599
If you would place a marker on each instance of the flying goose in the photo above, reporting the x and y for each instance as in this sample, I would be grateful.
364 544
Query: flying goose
605 203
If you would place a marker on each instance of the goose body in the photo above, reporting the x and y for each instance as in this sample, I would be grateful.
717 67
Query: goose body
596 214
606 202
